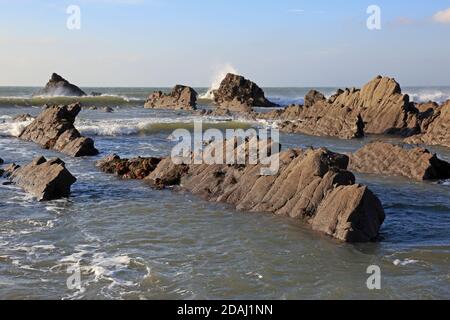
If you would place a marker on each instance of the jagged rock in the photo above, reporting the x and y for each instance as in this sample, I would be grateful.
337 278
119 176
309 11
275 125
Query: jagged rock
378 108
435 127
312 185
181 98
46 180
54 129
312 97
388 159
58 86
238 94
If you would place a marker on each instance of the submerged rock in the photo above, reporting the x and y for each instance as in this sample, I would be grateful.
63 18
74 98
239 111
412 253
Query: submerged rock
388 159
137 168
58 86
181 98
311 185
238 94
46 180
435 126
54 129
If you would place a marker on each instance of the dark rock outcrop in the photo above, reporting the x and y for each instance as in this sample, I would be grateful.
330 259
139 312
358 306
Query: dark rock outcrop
1 161
46 180
311 185
181 98
54 129
58 86
238 94
137 168
392 160
435 126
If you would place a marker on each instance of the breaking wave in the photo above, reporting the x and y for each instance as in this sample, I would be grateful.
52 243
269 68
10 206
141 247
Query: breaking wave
101 100
217 80
438 95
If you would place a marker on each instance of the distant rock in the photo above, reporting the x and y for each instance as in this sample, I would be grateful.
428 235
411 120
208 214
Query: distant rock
58 86
311 185
392 160
46 180
181 98
96 94
435 127
54 129
238 94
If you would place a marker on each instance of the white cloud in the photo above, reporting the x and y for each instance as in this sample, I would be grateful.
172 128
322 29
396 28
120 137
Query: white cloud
442 16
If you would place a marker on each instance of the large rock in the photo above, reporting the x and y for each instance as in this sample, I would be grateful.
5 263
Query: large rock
435 127
54 129
181 98
378 108
392 160
311 185
239 94
58 86
46 180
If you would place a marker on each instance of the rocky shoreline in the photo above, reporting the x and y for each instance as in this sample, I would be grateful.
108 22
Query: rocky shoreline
312 185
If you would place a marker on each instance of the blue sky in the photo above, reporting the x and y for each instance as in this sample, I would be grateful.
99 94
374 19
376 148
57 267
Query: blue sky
275 43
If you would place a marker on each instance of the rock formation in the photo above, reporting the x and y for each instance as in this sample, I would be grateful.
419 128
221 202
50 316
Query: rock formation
435 126
181 98
378 108
311 185
58 86
388 159
238 94
46 180
54 129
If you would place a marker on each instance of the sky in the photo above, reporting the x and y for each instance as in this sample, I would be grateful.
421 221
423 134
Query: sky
275 43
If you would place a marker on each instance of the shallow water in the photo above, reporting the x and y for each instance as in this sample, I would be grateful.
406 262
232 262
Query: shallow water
133 242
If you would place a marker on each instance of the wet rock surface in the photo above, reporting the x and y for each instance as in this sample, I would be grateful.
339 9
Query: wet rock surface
312 185
181 98
54 129
393 160
58 86
44 179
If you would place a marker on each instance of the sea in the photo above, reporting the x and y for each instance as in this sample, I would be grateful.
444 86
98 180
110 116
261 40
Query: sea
115 239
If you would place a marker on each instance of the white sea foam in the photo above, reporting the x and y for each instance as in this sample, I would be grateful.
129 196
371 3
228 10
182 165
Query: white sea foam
217 80
404 262
425 95
13 128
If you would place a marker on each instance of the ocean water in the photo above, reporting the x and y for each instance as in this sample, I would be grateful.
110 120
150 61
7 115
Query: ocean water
133 242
